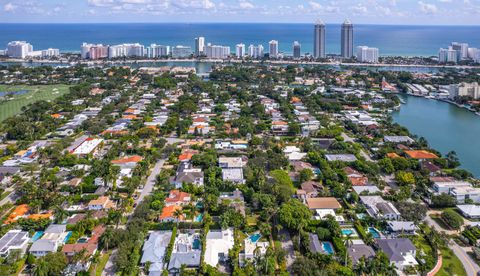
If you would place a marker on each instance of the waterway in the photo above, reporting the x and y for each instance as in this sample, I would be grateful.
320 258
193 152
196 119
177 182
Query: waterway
445 126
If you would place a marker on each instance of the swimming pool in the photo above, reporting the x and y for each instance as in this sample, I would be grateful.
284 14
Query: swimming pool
255 237
199 218
327 247
67 237
374 232
347 232
37 236
196 244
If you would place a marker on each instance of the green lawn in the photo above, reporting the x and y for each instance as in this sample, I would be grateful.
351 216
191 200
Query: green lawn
451 264
13 105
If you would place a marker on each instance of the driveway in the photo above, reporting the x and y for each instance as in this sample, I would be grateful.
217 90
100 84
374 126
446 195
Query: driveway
287 245
109 269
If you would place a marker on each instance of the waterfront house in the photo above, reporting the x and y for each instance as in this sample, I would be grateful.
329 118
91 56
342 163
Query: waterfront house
420 154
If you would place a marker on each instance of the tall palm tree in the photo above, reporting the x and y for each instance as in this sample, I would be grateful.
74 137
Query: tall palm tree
348 243
107 238
178 214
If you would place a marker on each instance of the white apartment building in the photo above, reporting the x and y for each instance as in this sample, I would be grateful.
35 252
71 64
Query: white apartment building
240 50
367 54
19 49
126 50
199 46
273 48
156 51
255 51
217 51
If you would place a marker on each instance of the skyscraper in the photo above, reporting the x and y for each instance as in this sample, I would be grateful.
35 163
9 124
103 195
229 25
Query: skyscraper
319 40
199 46
240 50
462 49
296 49
347 39
273 48
19 49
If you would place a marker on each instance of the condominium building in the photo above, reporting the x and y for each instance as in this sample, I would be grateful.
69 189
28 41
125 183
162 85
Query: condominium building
180 51
319 40
347 39
465 90
126 50
255 51
296 49
273 48
50 52
367 54
240 50
94 51
217 51
156 51
448 55
199 46
19 49
462 50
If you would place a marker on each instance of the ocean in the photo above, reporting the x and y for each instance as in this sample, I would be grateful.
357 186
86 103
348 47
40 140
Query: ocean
390 39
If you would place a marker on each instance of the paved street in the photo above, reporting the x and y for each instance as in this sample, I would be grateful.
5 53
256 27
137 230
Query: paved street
150 183
109 269
470 266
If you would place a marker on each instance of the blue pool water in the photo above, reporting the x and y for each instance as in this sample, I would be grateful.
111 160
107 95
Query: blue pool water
196 244
255 237
82 240
37 236
67 237
347 232
374 232
199 218
327 247
361 216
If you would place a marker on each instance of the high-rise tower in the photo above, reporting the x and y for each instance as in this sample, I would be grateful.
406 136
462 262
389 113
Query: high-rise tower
319 40
347 39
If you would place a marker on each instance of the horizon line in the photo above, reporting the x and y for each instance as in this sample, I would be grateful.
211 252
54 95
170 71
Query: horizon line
229 22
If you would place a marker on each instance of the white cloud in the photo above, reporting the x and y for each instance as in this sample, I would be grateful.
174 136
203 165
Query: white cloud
246 5
427 8
315 5
101 3
9 7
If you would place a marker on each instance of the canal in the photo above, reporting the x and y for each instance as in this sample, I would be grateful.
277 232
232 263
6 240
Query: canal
445 126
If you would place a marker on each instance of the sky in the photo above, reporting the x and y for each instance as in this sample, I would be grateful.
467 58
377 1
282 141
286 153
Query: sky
400 12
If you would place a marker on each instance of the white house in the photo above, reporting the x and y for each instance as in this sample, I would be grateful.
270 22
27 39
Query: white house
219 242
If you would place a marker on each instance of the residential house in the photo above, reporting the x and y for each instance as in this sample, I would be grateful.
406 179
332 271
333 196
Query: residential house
341 157
177 197
54 237
187 250
323 203
101 203
232 169
154 251
89 247
401 251
14 240
169 214
470 211
309 189
235 200
379 208
401 227
359 251
252 245
219 242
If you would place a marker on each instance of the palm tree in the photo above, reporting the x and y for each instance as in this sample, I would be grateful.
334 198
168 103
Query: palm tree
178 214
60 213
41 268
348 242
107 238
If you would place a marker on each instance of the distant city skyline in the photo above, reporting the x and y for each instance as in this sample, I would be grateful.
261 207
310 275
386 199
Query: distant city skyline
424 12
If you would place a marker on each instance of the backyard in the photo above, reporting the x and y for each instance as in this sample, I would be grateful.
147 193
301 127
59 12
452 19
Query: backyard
14 97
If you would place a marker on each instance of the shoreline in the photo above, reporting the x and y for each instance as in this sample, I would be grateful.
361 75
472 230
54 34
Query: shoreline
237 61
445 100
